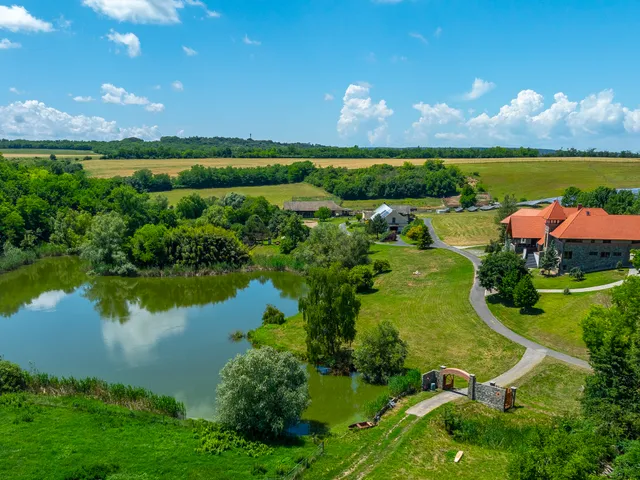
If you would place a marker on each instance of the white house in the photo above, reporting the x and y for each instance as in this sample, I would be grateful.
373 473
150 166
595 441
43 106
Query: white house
397 216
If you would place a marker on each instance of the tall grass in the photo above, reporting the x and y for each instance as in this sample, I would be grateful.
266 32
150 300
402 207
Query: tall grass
280 263
13 257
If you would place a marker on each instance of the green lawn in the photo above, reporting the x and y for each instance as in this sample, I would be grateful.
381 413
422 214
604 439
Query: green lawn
431 310
375 203
535 179
555 321
465 229
276 194
67 433
565 281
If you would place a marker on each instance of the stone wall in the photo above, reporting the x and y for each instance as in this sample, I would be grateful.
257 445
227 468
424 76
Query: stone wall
588 256
491 395
429 378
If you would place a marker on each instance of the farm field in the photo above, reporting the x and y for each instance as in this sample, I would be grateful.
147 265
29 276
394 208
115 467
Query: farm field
431 310
465 229
276 194
554 321
428 202
590 279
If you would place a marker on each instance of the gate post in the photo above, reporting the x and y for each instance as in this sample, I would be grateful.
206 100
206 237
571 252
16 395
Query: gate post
513 396
471 391
441 378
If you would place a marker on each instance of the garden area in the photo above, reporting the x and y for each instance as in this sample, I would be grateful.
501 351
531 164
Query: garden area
593 279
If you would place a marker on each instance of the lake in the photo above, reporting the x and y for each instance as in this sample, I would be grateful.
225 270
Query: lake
170 335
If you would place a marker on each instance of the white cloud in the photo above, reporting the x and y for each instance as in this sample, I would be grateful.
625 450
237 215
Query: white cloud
597 114
18 19
199 3
358 109
34 120
419 36
180 132
63 23
328 97
248 41
434 115
154 108
138 11
15 91
47 301
450 136
437 32
81 99
478 89
189 51
6 44
129 40
550 120
119 96
177 86
137 337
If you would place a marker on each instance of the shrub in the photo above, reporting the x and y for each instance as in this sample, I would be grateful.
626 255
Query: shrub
405 384
361 278
215 439
392 236
272 316
380 266
577 274
619 265
566 291
424 238
258 469
493 247
236 336
372 407
381 353
413 233
12 378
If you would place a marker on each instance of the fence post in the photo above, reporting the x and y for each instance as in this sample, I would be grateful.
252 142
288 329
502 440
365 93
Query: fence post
471 391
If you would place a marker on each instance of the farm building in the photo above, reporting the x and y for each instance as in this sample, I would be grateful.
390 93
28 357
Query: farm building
397 216
588 238
309 209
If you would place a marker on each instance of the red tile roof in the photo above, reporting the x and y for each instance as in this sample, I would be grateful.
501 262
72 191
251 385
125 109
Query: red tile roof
526 227
588 224
555 211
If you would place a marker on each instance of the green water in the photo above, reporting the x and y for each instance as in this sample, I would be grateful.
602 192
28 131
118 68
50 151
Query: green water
170 335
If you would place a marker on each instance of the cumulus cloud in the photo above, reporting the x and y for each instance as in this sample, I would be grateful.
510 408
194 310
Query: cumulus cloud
35 120
328 97
119 96
247 41
128 40
18 19
138 11
46 302
6 44
81 99
478 89
189 51
434 115
598 114
177 86
358 109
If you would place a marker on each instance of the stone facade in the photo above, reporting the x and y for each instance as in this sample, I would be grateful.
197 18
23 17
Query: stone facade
594 255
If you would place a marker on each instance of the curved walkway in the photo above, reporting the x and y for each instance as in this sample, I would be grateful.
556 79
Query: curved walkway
597 288
479 304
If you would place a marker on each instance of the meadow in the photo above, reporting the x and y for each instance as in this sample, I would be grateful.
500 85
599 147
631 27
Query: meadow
431 311
276 194
465 229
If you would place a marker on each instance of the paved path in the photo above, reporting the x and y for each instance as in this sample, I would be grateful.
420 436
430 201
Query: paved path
598 288
478 302
529 360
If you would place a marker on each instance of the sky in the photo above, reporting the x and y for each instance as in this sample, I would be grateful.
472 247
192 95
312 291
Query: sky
548 74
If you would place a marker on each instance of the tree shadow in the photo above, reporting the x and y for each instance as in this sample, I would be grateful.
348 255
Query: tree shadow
533 311
370 291
496 299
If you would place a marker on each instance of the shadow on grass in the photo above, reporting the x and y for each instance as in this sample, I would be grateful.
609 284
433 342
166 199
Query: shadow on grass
496 299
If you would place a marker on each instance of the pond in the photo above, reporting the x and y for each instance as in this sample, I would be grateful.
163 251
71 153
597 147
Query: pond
170 335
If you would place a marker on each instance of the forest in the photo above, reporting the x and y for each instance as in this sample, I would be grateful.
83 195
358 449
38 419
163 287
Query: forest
222 147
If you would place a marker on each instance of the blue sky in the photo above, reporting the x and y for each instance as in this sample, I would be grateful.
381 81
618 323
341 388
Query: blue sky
341 72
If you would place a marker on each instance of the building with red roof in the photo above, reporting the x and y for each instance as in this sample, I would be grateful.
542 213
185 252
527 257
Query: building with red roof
588 238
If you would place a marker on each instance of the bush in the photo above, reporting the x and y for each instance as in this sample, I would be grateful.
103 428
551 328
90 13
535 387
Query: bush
405 384
392 236
12 378
525 294
258 469
381 353
272 316
372 407
361 278
493 247
577 274
566 291
381 266
619 265
424 239
216 439
413 233
262 392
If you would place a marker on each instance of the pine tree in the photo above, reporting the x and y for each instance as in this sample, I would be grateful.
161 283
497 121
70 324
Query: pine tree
525 294
549 260
378 225
424 239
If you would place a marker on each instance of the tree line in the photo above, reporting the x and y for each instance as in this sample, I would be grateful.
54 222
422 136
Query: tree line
223 147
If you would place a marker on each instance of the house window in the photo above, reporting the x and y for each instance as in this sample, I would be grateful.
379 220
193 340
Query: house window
605 254
568 255
523 240
393 220
593 254
617 254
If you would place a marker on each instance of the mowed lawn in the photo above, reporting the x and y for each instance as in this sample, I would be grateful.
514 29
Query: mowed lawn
554 321
431 310
276 194
593 279
428 202
535 179
465 229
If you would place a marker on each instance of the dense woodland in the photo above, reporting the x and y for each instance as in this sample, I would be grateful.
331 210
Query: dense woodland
203 147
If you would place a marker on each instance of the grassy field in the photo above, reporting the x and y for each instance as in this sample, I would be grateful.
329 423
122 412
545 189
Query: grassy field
48 438
431 310
554 321
373 204
590 279
404 446
276 194
465 229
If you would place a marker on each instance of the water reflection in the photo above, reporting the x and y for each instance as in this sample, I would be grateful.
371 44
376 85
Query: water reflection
47 301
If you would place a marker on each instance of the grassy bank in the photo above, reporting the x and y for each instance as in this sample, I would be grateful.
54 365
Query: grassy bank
431 310
465 229
590 280
276 194
554 322
51 438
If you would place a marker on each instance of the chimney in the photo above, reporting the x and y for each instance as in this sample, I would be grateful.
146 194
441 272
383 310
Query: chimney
588 213
579 206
